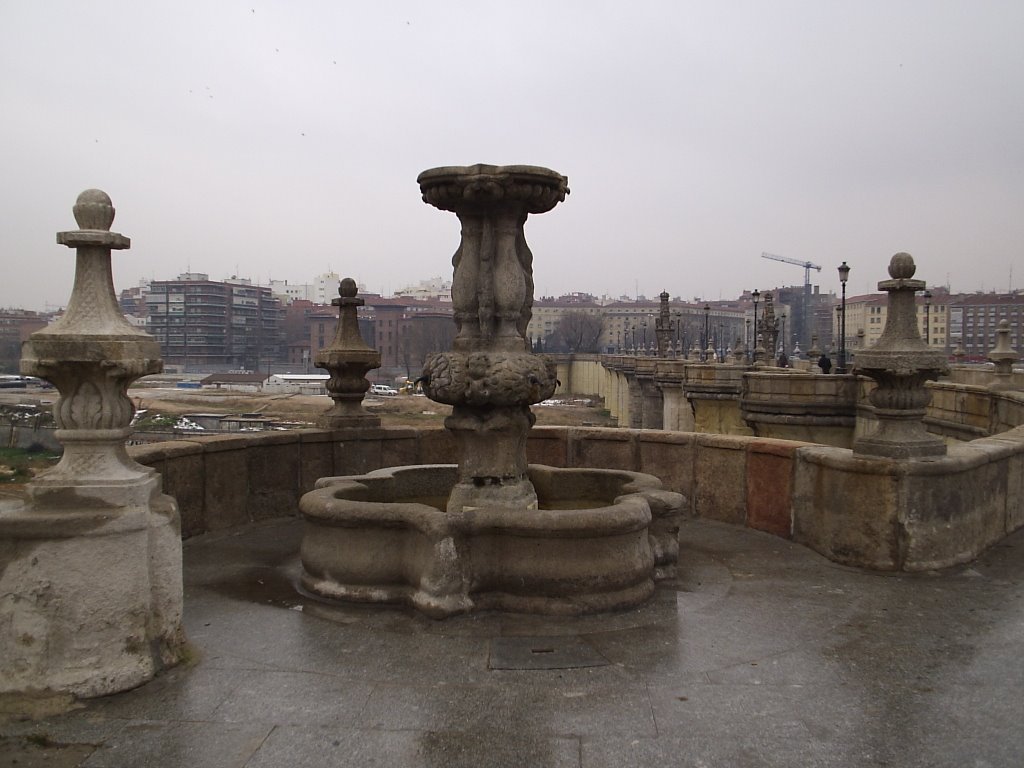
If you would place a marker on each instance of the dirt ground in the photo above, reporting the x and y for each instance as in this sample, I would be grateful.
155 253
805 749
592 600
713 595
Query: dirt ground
297 410
400 410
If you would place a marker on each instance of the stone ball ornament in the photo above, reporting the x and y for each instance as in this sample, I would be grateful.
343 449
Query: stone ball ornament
348 288
94 210
902 266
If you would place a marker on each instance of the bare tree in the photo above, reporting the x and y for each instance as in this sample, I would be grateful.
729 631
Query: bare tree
422 336
577 332
10 355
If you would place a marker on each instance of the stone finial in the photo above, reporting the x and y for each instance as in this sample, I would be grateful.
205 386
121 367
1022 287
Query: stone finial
95 533
92 354
739 352
1004 356
960 354
901 363
347 359
93 210
814 352
760 353
902 266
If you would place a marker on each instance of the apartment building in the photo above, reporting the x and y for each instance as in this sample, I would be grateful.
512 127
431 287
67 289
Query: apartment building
203 324
974 319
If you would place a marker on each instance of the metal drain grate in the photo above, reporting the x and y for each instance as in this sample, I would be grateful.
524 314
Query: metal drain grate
561 652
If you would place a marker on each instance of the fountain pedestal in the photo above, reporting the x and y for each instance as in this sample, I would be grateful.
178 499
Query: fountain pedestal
491 377
493 531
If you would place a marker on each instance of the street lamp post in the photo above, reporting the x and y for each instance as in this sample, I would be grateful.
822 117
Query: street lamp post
844 274
707 338
643 327
927 317
632 329
746 338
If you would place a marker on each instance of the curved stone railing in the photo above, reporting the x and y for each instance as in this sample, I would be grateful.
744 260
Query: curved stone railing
875 513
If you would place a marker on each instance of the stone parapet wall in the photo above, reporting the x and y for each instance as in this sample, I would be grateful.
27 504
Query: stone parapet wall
909 515
224 481
983 376
871 513
964 412
814 408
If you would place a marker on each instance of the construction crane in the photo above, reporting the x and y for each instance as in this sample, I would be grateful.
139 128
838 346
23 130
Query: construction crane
807 265
800 324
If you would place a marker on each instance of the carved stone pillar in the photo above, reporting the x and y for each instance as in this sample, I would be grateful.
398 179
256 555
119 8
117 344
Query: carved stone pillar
92 558
663 328
900 363
348 359
491 377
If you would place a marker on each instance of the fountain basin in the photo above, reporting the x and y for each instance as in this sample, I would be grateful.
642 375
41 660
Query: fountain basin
598 542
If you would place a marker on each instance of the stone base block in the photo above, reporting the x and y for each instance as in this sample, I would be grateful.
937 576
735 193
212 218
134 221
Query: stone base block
90 600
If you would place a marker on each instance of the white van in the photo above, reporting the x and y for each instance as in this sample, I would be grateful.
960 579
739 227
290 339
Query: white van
383 389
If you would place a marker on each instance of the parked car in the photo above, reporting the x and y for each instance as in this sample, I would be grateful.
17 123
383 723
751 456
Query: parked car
383 389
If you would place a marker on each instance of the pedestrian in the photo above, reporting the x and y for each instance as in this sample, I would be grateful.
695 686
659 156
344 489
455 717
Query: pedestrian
824 363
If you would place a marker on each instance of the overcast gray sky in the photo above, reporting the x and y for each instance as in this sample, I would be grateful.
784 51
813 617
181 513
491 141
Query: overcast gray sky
282 139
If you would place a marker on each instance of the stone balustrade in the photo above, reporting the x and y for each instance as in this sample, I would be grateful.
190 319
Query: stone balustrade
789 404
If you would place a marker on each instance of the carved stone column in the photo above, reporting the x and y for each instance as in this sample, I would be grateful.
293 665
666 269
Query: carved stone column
491 377
91 562
348 359
663 327
900 363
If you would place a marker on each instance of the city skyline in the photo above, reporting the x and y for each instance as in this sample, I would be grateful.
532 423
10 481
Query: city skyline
265 138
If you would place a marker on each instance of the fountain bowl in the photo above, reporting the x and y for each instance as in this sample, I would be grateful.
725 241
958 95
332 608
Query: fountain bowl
598 542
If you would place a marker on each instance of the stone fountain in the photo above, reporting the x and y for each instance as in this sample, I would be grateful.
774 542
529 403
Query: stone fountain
491 531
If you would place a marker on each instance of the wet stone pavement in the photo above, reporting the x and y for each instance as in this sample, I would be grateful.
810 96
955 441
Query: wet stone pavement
761 654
